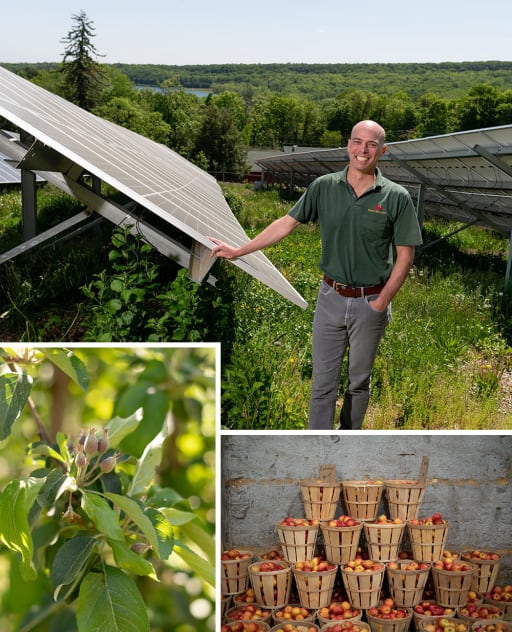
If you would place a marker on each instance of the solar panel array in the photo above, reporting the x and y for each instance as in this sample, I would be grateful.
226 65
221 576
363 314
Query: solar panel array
466 176
150 174
8 172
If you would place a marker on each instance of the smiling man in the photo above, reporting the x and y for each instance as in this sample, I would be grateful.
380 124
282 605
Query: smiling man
369 231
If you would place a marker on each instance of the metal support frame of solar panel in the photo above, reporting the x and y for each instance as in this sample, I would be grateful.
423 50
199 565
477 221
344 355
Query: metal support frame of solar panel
70 142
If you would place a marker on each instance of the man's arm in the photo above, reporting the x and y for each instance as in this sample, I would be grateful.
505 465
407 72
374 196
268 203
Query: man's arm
270 235
403 263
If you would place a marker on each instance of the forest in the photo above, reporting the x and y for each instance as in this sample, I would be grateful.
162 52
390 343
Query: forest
271 105
319 81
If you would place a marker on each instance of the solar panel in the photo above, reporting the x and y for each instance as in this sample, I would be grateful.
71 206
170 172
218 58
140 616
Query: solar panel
71 142
8 172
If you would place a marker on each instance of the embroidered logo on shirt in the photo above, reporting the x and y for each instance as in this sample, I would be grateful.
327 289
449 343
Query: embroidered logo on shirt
377 209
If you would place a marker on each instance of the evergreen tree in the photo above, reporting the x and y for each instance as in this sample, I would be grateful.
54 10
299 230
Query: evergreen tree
83 75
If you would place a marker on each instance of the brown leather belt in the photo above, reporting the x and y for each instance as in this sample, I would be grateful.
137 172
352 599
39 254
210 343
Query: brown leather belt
353 292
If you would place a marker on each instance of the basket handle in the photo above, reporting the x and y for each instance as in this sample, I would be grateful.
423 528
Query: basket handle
424 470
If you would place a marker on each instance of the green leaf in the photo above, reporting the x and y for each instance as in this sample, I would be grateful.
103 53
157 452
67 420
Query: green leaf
200 567
70 561
155 404
69 364
62 442
130 561
163 497
105 519
14 392
15 502
177 517
132 509
147 464
54 482
164 530
111 602
43 449
121 427
204 540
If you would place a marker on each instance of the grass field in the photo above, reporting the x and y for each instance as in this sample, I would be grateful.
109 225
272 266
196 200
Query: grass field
445 361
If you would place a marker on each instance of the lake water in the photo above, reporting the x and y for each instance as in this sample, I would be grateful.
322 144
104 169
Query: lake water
200 92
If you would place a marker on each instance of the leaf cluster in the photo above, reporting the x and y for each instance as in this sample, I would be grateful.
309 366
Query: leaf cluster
90 518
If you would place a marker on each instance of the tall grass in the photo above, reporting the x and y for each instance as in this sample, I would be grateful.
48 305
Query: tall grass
442 363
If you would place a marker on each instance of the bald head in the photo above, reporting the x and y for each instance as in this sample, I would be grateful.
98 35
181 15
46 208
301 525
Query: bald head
376 130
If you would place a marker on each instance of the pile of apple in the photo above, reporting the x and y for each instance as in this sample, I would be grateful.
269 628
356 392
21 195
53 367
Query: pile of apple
482 611
249 612
500 593
268 567
293 627
243 626
445 625
409 565
360 565
347 626
383 519
338 610
343 521
432 609
248 596
388 610
235 554
498 626
298 522
435 518
293 613
315 565
449 564
481 555
274 554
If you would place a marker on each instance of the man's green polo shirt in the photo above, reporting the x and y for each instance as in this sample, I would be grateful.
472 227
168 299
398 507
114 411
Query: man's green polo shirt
358 233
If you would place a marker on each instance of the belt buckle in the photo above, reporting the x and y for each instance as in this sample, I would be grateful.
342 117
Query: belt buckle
339 287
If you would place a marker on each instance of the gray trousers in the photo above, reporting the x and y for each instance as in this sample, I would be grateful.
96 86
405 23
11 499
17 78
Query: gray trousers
343 324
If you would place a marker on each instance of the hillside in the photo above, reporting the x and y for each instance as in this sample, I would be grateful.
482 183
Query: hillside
319 81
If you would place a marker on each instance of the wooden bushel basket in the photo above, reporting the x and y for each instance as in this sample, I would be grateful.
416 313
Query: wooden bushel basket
427 541
320 499
298 543
341 543
362 499
404 499
407 586
326 627
383 540
271 588
485 573
300 626
315 588
480 625
377 624
506 606
235 575
262 627
363 588
451 587
233 615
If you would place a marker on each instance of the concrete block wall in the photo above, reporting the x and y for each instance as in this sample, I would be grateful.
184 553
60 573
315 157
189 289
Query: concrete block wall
469 482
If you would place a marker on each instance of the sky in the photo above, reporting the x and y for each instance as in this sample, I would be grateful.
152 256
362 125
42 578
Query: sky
182 32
